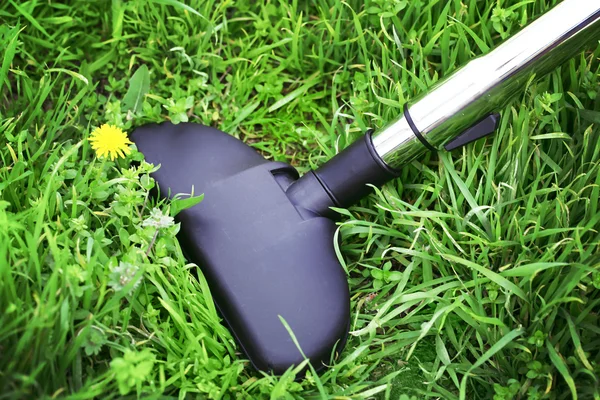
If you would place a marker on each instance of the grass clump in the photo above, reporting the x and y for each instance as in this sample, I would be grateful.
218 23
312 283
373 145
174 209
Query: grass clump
474 275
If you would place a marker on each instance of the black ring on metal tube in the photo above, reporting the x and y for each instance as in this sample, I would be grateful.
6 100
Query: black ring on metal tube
415 130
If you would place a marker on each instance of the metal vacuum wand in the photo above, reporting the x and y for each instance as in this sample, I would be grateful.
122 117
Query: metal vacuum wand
486 85
458 110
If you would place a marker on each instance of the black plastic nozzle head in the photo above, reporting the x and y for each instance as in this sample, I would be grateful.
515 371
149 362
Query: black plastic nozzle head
264 256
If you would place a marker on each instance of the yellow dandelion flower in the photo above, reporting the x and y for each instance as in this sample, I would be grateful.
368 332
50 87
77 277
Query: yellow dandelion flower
109 140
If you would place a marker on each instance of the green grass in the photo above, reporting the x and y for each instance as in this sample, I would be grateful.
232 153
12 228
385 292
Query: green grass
497 245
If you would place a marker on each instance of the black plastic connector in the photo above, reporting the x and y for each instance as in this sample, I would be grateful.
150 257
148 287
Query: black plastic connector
343 180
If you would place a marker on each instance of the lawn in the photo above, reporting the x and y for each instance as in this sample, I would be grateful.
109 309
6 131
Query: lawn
474 275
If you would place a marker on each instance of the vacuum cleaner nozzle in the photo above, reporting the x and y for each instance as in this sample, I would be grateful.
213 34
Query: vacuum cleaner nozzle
263 256
263 237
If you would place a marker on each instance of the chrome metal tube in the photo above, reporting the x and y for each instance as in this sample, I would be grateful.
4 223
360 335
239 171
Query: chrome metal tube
486 84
